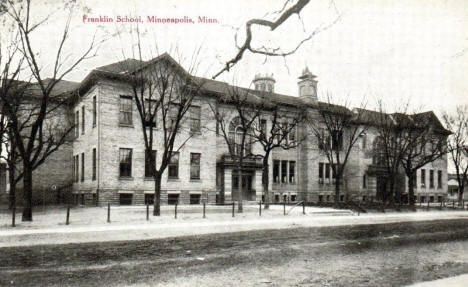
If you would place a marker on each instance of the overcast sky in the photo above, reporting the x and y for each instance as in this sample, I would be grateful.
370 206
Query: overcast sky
397 51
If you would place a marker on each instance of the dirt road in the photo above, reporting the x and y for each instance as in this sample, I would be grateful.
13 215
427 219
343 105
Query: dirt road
370 255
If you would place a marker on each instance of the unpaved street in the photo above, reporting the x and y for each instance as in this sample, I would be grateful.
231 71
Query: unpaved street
370 255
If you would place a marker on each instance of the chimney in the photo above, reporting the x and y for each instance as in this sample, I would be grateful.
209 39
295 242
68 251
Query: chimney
307 87
264 83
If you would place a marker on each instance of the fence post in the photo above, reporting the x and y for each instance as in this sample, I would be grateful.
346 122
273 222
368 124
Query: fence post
108 212
303 207
13 218
204 209
147 212
175 210
428 205
284 207
233 204
68 215
260 208
441 205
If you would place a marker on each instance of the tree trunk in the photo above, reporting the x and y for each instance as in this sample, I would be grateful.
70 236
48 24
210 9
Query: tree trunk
240 208
265 179
391 192
461 188
337 190
157 195
411 190
27 190
11 179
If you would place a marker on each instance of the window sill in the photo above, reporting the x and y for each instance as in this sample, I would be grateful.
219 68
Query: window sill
126 125
125 178
174 179
195 180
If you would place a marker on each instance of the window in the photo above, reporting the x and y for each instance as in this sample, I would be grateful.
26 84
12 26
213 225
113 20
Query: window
82 166
439 179
333 169
150 113
195 198
77 123
82 120
284 171
423 178
94 164
149 198
75 168
174 165
148 169
364 181
195 115
77 161
337 140
293 197
292 132
125 162
364 141
172 198
321 172
125 110
236 134
431 178
125 198
263 126
276 164
195 165
94 111
292 172
327 171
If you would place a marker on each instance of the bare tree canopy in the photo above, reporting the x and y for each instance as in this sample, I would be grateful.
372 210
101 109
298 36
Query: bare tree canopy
36 114
276 128
337 129
457 145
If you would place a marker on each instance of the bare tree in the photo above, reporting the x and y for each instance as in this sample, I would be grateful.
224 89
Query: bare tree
457 145
236 114
425 142
388 150
164 93
281 134
337 129
35 129
289 9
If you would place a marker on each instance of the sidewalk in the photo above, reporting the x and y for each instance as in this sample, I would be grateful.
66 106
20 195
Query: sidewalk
457 281
166 226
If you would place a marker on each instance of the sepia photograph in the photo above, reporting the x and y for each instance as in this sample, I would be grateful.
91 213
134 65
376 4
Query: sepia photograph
234 143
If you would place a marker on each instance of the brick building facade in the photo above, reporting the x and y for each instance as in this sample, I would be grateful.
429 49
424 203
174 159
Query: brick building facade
106 161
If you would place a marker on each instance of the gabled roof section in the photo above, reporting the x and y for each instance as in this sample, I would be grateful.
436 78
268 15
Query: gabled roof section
122 67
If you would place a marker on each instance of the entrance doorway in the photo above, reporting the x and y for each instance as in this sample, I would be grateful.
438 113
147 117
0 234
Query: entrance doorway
381 188
247 192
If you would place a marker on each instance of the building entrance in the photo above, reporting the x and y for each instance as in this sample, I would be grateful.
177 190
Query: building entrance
247 192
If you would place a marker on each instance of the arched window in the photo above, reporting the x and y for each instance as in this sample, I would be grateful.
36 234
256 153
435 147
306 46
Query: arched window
236 132
378 148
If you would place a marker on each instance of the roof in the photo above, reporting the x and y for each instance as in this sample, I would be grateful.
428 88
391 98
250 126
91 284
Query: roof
123 70
417 120
122 66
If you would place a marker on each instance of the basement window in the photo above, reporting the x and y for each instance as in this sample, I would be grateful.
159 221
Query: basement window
172 199
195 198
